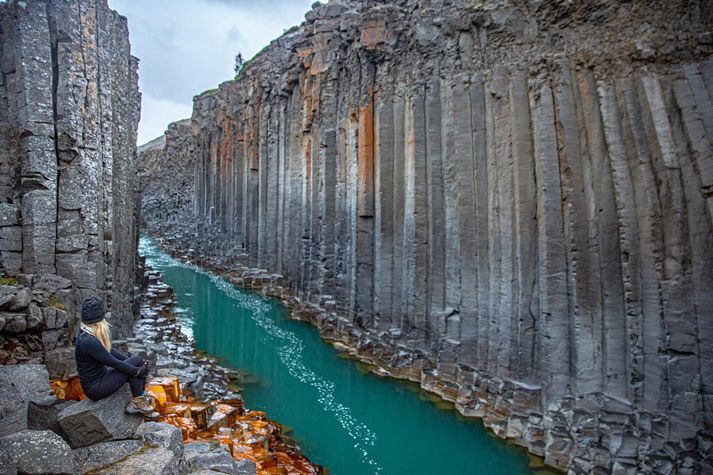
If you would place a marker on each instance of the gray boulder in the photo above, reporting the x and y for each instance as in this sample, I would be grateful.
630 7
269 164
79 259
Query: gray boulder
14 322
104 454
13 416
32 451
154 461
89 422
30 380
7 294
246 467
20 384
61 363
21 300
43 414
201 456
51 283
160 434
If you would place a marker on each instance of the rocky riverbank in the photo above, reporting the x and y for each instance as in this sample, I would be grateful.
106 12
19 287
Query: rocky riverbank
354 342
49 427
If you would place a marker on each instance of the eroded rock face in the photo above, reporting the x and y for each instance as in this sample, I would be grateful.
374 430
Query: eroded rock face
509 204
69 109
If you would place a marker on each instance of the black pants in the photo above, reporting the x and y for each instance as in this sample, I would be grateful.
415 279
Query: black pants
113 379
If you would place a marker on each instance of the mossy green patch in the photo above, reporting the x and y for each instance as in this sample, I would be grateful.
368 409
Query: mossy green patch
8 281
55 302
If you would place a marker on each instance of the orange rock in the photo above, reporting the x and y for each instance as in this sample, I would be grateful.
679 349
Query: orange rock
186 424
201 413
68 389
267 461
171 387
247 434
273 471
180 409
158 394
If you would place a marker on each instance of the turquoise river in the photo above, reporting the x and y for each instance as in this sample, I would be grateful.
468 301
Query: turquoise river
343 418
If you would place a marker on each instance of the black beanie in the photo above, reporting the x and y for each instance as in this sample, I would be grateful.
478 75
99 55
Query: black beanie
92 310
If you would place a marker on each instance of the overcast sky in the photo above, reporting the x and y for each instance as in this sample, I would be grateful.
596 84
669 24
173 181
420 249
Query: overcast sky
188 46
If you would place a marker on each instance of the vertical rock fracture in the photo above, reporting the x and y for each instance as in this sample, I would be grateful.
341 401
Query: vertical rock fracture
512 205
69 110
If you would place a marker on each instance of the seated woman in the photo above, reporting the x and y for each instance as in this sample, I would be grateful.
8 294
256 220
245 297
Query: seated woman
103 370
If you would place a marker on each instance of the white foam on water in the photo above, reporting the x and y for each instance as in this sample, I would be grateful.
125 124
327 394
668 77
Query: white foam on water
290 351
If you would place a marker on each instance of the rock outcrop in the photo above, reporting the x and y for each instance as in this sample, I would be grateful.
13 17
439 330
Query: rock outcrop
508 202
69 110
90 422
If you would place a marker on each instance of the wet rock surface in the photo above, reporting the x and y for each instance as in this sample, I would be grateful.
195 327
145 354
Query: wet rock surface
506 202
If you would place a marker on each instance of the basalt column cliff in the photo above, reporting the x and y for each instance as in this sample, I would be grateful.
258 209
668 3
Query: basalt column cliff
69 109
511 204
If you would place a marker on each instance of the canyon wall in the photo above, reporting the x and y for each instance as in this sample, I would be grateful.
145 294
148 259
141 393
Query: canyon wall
69 111
508 202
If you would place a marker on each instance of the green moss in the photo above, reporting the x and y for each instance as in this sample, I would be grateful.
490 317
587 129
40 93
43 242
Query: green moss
55 302
8 281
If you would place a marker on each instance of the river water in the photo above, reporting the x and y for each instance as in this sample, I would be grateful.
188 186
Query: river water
343 418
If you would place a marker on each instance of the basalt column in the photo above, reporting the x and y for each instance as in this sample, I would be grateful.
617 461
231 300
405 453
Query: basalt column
510 205
69 109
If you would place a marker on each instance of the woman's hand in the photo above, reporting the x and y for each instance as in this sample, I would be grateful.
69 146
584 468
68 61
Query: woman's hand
143 371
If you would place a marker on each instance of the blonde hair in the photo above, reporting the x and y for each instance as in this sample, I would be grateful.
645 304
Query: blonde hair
101 331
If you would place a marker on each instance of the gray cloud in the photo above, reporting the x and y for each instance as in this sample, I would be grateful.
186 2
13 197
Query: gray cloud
188 46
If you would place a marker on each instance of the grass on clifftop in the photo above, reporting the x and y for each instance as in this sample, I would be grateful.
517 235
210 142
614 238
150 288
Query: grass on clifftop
251 61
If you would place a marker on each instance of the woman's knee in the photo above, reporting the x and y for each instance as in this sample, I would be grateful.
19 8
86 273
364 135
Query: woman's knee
135 360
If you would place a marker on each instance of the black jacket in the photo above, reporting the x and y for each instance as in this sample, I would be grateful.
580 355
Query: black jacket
93 360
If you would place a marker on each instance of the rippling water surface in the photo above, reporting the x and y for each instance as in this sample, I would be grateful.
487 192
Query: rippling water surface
350 421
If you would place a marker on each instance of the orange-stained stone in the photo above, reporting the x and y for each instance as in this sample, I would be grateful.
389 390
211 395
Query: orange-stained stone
373 33
267 461
201 413
179 409
256 415
224 415
246 434
365 159
171 386
68 389
274 471
158 394
186 424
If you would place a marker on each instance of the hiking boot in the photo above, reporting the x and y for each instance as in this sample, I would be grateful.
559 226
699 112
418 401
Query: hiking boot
142 405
